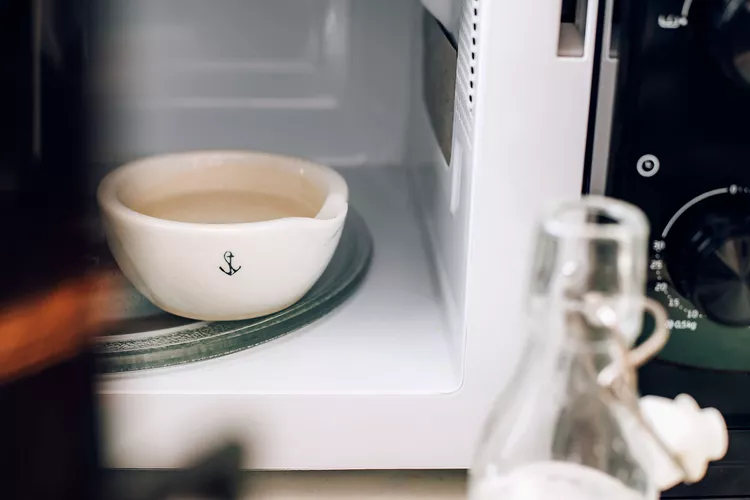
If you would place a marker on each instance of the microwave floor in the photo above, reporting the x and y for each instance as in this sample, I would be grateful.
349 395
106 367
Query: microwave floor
390 337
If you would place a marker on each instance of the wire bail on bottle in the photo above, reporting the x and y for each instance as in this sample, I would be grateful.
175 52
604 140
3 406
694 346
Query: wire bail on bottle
619 377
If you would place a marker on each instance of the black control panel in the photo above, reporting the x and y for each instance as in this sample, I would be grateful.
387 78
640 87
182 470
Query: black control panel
680 150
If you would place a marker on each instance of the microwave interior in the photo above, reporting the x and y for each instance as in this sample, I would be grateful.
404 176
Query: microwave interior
449 141
367 87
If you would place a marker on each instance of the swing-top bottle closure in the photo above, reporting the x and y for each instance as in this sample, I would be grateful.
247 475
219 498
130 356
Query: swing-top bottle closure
682 438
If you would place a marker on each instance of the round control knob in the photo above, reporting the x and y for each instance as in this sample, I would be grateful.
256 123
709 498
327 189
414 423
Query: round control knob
724 28
710 266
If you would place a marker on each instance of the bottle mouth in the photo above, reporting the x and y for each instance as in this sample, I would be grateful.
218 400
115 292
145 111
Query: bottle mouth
594 246
596 217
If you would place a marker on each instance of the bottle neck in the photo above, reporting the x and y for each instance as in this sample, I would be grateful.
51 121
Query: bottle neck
563 336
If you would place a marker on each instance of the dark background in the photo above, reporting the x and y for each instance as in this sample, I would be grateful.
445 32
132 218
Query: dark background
48 429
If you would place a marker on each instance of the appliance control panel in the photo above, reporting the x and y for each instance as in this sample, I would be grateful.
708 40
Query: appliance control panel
681 152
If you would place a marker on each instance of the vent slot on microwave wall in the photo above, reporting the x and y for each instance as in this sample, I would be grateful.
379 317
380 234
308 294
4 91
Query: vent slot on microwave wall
439 82
572 28
450 76
468 54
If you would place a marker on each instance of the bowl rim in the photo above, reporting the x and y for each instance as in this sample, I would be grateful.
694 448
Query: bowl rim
333 209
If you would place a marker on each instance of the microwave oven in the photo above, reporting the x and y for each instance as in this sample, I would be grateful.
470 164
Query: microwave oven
452 136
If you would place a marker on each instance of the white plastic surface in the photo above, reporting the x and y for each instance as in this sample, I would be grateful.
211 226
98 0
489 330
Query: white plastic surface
443 191
697 436
320 79
530 135
448 12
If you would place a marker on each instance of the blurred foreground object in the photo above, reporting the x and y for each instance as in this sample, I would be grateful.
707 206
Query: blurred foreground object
48 424
215 476
41 331
571 425
50 304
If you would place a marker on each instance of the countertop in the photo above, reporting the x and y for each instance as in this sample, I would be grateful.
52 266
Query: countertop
360 485
304 485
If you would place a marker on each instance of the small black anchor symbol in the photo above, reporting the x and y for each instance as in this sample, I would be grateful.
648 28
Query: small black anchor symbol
228 256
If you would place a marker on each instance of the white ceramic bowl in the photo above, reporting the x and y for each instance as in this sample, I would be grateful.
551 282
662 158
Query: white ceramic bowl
223 235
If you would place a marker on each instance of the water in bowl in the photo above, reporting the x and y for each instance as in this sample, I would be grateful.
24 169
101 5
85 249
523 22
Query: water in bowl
225 207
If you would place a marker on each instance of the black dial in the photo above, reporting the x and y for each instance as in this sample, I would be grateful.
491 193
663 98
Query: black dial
709 263
724 29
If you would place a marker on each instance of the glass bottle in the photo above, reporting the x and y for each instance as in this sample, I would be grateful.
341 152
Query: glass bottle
557 432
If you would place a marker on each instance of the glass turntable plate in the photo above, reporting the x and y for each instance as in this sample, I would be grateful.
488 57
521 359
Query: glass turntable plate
141 336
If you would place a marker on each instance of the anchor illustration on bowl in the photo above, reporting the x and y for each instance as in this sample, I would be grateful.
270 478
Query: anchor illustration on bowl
228 256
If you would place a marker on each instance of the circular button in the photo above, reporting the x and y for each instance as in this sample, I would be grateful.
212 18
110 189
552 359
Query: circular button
648 165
